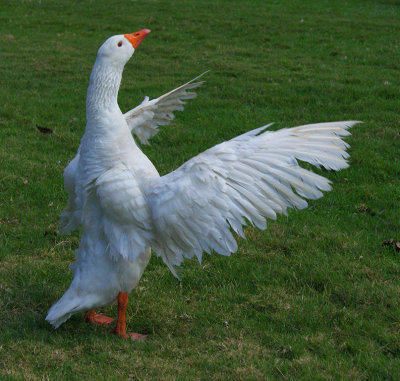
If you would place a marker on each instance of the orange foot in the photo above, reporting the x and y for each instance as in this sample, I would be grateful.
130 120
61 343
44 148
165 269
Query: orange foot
136 336
98 318
128 335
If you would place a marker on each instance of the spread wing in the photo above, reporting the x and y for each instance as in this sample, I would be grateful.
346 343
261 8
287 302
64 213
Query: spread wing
145 119
251 177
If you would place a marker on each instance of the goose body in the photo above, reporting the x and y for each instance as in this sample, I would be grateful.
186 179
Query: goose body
126 210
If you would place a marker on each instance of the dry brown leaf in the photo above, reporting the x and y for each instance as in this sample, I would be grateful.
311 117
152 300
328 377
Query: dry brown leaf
392 243
44 130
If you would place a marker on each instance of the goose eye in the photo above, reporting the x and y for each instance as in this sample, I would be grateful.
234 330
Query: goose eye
120 43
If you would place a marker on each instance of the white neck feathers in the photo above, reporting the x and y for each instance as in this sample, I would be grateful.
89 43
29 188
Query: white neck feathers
102 94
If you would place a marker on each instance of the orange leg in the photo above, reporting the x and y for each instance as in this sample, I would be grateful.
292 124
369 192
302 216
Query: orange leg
120 328
98 318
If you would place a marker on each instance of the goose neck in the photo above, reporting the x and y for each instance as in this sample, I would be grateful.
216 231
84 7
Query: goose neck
102 94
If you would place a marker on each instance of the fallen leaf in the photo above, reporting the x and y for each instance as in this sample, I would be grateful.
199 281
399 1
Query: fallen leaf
44 130
363 208
392 243
47 232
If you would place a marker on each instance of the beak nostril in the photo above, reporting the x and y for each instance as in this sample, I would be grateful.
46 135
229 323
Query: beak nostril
137 37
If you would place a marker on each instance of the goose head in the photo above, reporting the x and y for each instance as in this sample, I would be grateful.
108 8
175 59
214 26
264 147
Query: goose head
117 50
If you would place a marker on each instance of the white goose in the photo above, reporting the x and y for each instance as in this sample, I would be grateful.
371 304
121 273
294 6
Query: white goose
126 209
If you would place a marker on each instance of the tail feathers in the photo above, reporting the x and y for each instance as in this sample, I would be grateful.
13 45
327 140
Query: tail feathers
56 317
62 310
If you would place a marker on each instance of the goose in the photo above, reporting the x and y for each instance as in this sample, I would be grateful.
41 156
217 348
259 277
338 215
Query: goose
126 210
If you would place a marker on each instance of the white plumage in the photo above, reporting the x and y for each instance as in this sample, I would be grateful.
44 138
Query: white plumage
126 209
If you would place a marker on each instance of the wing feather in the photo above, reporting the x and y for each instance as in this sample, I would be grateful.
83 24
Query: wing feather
251 177
145 119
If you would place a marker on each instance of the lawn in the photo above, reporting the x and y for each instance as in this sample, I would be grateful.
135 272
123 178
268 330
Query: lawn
315 296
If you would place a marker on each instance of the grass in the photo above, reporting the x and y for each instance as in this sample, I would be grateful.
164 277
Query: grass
315 296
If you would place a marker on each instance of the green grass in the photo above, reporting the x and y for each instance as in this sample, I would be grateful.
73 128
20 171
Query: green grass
315 296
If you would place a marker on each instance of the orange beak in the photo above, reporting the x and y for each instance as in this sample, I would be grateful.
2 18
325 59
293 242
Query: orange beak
136 38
